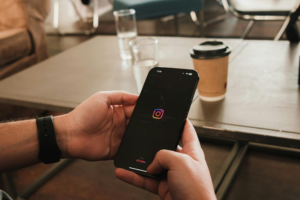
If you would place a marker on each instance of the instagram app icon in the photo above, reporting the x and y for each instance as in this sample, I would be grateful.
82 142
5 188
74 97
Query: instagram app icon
158 113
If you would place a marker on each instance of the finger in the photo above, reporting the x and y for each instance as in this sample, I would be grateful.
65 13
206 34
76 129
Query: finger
191 144
163 189
189 136
163 160
120 98
128 111
134 179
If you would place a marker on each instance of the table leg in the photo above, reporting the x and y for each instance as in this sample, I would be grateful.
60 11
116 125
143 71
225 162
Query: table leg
299 73
44 178
55 14
95 15
282 29
176 25
248 29
230 158
229 176
9 184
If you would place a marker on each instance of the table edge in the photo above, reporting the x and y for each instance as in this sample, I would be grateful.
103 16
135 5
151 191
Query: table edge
249 134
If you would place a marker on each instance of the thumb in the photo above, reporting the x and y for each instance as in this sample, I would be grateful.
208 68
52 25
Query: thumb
120 98
189 136
163 160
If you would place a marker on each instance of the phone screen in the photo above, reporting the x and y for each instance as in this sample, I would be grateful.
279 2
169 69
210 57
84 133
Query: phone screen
158 118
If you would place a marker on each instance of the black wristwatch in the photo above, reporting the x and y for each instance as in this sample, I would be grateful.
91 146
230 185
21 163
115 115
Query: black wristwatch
49 151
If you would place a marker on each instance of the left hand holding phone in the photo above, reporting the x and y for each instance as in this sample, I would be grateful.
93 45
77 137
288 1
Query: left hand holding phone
94 129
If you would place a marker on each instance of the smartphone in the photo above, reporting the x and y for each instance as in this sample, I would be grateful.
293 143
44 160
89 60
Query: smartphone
158 118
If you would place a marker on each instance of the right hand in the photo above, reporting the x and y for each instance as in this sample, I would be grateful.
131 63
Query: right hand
188 174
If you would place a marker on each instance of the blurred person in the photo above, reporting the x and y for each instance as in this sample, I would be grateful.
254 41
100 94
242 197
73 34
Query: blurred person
93 131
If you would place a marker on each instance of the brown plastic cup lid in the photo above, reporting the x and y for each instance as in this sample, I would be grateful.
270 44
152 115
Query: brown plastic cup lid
210 50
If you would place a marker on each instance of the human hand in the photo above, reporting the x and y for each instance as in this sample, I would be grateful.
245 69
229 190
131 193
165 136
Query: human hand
94 129
188 174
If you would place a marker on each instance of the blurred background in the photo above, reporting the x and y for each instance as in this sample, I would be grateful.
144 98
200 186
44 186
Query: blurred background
74 20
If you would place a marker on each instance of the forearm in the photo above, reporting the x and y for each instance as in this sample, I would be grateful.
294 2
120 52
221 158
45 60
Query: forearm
19 144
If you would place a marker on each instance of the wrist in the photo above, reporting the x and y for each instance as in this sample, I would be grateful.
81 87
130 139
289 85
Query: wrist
60 128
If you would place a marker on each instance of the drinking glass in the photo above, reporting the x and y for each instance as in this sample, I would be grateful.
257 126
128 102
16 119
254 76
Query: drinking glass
144 57
126 30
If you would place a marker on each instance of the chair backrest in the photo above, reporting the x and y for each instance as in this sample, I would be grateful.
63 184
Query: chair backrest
263 7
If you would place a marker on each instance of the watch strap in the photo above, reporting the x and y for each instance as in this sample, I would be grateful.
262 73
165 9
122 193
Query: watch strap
49 151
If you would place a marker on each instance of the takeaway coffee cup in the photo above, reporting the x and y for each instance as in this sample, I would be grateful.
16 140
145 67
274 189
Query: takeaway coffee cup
211 62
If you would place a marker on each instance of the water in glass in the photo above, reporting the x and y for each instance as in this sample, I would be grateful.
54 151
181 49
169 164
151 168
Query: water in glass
124 39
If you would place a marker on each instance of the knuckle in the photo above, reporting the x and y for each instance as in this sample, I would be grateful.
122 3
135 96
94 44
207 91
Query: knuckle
100 94
161 153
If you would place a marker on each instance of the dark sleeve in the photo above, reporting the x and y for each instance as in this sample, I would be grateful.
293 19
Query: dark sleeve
4 196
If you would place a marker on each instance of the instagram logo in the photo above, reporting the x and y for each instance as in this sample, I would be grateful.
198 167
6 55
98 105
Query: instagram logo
158 113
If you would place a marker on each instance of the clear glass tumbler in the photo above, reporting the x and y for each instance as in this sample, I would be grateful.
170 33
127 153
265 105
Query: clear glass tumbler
144 57
126 30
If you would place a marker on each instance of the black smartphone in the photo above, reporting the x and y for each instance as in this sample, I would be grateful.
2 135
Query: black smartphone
158 118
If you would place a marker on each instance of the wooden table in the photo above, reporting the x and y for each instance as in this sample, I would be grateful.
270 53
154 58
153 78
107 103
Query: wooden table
263 100
262 104
64 81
